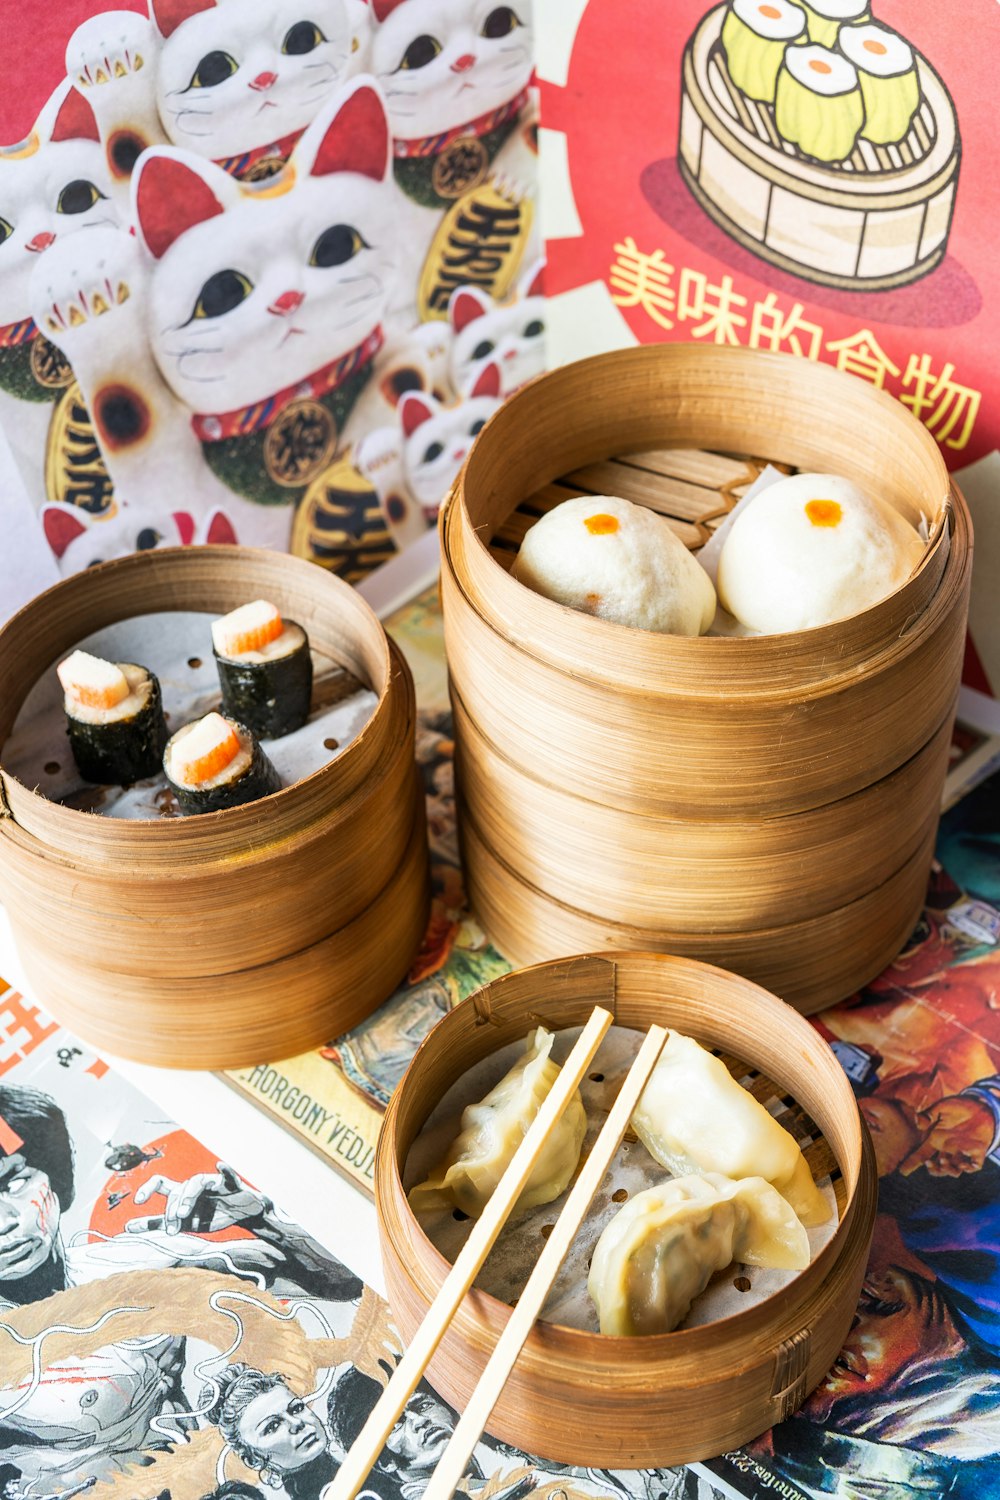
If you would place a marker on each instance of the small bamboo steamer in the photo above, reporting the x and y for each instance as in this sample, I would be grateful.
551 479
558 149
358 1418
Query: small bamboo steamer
674 1398
178 935
736 799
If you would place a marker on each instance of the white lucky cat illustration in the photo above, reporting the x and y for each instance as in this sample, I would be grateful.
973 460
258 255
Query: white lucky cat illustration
455 75
78 541
412 464
223 347
511 333
52 184
234 82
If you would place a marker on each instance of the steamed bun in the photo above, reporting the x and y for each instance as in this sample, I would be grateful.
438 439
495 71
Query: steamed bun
811 549
618 561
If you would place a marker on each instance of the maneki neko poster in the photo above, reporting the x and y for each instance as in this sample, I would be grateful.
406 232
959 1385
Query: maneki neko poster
266 267
817 177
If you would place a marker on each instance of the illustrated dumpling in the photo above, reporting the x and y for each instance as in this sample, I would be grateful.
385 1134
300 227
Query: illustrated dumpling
619 561
491 1132
661 1249
755 34
694 1117
817 102
826 17
812 549
887 72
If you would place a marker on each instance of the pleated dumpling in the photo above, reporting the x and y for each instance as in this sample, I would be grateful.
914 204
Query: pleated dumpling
660 1251
493 1129
693 1116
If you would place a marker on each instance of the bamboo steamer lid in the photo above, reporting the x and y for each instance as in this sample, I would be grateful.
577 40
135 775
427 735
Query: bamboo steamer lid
180 933
674 1398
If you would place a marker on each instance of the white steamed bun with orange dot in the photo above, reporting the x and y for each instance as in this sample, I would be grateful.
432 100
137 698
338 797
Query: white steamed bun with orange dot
618 561
811 549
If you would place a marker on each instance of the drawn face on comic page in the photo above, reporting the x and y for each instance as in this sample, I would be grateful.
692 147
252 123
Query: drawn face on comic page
278 1428
29 1218
422 1433
51 184
232 76
255 287
444 62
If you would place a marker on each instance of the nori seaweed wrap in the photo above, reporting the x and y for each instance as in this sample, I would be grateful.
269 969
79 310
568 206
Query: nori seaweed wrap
266 685
114 718
226 768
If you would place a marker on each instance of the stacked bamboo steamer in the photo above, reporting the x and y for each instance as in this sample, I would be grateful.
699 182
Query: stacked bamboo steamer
768 803
236 936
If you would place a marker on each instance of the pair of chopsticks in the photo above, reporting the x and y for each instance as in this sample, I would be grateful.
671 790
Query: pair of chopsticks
452 1464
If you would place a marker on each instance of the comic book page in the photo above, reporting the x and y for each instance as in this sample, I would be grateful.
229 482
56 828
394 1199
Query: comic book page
813 179
311 270
168 1333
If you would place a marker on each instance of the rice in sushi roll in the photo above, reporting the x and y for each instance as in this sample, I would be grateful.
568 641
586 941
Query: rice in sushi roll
887 72
755 34
114 717
826 17
608 557
216 762
265 669
811 549
818 105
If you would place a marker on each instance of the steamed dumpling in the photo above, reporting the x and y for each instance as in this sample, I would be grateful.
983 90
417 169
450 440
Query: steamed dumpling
493 1129
659 1252
618 561
811 549
693 1116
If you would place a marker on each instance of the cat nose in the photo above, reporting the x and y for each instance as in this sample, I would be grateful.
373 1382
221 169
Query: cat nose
263 81
463 64
287 303
41 241
460 453
511 354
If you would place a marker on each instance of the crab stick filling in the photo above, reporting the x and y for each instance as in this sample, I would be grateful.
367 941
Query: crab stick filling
207 753
101 692
252 627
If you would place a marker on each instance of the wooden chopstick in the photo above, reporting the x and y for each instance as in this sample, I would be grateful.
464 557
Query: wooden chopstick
388 1409
455 1457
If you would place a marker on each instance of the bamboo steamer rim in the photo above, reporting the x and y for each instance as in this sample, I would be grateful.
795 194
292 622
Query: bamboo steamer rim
850 1142
209 579
723 399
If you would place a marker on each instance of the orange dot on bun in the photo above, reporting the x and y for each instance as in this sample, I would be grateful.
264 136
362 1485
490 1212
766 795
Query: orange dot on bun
879 48
602 524
824 512
819 66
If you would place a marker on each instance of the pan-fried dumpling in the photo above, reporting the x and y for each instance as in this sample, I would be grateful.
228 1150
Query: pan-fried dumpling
693 1116
493 1129
659 1252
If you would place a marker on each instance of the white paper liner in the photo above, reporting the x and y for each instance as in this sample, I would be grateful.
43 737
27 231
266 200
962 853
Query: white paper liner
177 647
632 1170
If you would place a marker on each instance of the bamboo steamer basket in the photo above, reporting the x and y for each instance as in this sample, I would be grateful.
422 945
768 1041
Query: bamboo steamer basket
236 936
589 1399
879 219
713 796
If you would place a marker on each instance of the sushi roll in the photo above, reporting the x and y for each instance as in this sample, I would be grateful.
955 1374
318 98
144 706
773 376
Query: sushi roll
264 668
826 17
755 34
114 717
818 105
216 762
887 72
811 549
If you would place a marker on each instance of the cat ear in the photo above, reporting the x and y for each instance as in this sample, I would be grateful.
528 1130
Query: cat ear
75 120
466 305
184 521
414 410
535 287
172 193
384 8
487 381
167 15
355 138
220 529
61 526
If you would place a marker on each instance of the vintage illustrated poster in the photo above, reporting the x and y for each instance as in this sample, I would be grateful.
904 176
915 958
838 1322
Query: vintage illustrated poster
166 1331
816 179
265 269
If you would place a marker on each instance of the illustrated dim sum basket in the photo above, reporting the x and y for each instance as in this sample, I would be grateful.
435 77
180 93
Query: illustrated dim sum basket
235 936
765 803
609 1402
